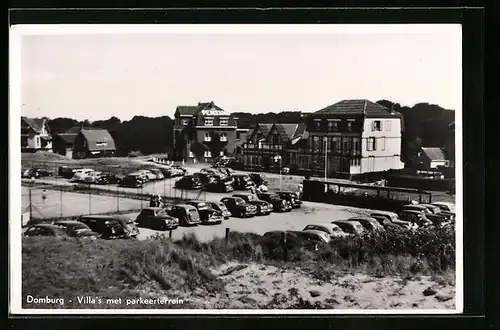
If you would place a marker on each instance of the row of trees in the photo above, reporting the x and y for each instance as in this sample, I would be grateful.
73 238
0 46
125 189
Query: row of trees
424 125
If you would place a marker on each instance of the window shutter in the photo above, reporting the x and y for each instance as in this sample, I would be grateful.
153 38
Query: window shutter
374 144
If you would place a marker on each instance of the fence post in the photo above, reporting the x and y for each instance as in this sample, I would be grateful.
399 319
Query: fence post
61 201
31 205
283 246
170 234
227 235
117 199
90 202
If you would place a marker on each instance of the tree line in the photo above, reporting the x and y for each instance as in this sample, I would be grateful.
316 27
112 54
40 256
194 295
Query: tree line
424 125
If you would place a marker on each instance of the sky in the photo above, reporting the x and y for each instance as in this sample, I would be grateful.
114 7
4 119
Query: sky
95 76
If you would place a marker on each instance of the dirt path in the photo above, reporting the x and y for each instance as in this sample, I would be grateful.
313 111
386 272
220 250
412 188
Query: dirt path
253 286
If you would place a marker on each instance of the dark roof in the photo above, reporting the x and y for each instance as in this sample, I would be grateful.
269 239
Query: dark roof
75 129
96 135
434 153
35 123
189 110
68 137
358 107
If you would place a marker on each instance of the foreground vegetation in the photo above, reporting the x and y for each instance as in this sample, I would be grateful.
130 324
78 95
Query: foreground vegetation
158 267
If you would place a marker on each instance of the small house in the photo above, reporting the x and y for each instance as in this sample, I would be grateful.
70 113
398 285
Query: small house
93 142
432 158
35 135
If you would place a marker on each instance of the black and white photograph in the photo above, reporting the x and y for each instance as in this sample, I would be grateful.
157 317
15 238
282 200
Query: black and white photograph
236 169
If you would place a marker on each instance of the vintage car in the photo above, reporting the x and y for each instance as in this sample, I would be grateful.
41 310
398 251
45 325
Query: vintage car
187 214
107 178
148 175
111 226
449 216
172 171
158 174
44 229
257 178
132 181
435 218
205 178
221 207
36 172
392 218
188 182
208 215
92 177
263 207
330 229
316 236
416 217
214 172
156 218
77 229
294 239
291 197
242 182
80 174
445 206
350 227
370 224
226 170
66 172
279 204
238 207
219 186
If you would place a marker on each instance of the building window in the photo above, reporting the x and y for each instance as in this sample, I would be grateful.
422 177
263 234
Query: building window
37 141
101 144
356 145
370 144
209 122
191 154
223 121
317 123
333 125
335 143
185 122
276 139
387 125
355 162
207 154
382 143
376 125
223 137
238 135
350 124
208 137
315 143
345 142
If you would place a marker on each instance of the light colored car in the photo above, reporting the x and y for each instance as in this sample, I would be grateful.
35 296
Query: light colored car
81 174
445 206
350 226
369 223
159 175
331 229
148 174
92 177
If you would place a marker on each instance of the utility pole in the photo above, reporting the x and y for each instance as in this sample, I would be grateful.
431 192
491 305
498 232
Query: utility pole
31 205
326 157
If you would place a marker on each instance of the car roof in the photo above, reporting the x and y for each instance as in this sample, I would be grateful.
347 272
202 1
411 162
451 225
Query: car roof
412 211
45 225
69 222
242 194
362 219
187 206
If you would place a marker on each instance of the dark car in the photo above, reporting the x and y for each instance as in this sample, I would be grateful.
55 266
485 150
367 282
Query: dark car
208 215
188 182
263 207
172 171
187 214
77 229
294 239
227 171
238 207
392 218
279 204
107 178
219 186
156 218
178 167
36 172
331 229
132 181
66 172
448 216
258 179
242 182
370 224
111 227
221 207
216 173
416 217
44 229
205 178
435 218
291 197
350 227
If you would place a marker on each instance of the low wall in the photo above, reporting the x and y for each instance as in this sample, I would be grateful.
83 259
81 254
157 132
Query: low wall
407 181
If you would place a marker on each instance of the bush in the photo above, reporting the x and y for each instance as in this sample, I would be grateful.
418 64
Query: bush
135 153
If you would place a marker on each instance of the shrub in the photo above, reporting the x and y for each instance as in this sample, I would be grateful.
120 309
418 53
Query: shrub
135 153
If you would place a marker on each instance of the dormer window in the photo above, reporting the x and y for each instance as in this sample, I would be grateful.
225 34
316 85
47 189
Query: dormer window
333 125
223 121
209 122
317 123
185 122
350 124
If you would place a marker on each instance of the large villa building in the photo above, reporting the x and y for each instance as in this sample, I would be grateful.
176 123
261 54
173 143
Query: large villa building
355 136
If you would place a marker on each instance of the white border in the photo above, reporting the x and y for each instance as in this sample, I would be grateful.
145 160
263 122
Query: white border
18 31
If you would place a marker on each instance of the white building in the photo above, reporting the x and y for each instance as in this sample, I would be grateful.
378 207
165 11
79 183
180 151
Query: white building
35 135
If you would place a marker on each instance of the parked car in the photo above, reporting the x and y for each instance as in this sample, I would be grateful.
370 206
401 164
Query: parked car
156 218
214 172
279 204
44 229
392 218
238 207
132 181
314 236
294 239
263 207
158 174
445 206
205 178
219 186
92 177
416 217
435 218
449 216
331 229
111 226
77 229
370 224
221 207
257 178
188 182
242 182
225 170
178 167
350 227
148 175
36 172
81 174
66 172
173 171
290 197
208 215
187 214
107 178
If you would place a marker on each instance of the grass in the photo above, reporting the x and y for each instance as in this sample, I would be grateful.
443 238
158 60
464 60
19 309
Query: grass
158 267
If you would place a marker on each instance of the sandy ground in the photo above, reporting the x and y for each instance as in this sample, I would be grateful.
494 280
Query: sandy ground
253 286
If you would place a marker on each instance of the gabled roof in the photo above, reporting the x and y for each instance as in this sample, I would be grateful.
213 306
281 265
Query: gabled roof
189 110
68 137
434 153
289 132
358 107
96 135
35 123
